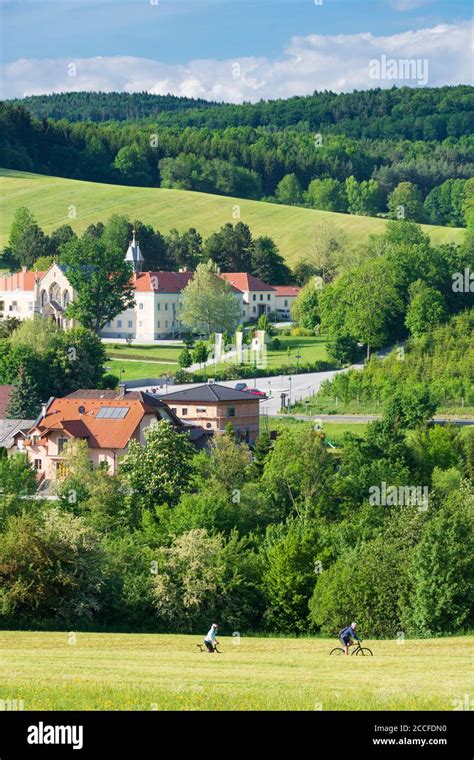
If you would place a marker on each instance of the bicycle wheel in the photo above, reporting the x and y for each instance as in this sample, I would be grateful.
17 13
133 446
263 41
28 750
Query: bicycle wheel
365 652
337 650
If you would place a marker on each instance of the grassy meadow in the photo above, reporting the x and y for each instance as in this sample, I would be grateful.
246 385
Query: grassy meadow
102 671
293 229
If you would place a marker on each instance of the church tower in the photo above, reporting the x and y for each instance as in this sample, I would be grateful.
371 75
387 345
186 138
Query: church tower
134 255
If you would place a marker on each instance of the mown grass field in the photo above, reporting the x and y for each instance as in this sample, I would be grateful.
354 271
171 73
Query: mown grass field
293 229
161 353
164 672
307 349
136 361
134 370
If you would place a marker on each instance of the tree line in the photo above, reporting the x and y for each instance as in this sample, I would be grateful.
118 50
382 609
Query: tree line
232 248
288 540
418 178
428 113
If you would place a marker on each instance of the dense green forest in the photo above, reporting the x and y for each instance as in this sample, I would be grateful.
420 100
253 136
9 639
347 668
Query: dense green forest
292 540
400 113
403 153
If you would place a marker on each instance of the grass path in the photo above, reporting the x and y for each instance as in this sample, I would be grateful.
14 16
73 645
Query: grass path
164 672
54 199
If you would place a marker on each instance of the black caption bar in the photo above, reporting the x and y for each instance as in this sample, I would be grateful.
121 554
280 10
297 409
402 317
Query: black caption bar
378 734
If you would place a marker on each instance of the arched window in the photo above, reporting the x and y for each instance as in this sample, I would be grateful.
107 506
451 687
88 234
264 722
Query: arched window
43 298
55 293
66 298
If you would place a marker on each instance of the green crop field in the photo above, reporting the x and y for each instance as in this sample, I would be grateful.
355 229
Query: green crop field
54 200
100 671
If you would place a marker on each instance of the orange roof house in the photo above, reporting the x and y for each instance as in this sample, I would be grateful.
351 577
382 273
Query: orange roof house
106 420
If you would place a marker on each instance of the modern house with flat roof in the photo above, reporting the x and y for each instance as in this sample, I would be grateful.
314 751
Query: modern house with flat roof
214 406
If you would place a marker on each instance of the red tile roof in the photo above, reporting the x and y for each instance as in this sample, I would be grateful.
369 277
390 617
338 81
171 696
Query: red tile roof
245 282
24 280
286 290
5 395
161 282
104 433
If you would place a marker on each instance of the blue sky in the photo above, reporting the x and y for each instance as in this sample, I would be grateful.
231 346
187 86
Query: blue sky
176 33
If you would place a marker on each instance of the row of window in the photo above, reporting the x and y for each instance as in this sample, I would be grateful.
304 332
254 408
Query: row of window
254 297
201 410
141 306
118 323
14 306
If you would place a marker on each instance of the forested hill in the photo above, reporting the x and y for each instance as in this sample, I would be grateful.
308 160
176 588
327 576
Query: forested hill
410 113
370 153
107 106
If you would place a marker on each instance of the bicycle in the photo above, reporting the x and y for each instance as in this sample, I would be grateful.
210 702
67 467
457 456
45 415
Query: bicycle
364 651
203 649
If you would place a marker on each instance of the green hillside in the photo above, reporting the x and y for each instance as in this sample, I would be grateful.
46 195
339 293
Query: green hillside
292 228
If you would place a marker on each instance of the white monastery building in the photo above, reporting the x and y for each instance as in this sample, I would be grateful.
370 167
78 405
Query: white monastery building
158 298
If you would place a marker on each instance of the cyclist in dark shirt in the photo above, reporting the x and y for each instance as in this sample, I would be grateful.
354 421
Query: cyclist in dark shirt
346 635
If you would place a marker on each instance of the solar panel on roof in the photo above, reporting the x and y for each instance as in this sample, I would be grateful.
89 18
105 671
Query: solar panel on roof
112 412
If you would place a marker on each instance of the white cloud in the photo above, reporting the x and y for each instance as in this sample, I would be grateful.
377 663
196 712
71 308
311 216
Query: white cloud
313 62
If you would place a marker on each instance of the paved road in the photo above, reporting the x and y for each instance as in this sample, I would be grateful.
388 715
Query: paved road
296 388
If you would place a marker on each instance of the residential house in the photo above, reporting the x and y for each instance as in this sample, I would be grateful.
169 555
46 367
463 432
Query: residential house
285 296
258 297
214 406
13 434
106 420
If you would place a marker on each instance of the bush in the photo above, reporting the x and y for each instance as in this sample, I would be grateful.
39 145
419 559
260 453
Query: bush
302 332
365 584
110 381
51 569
